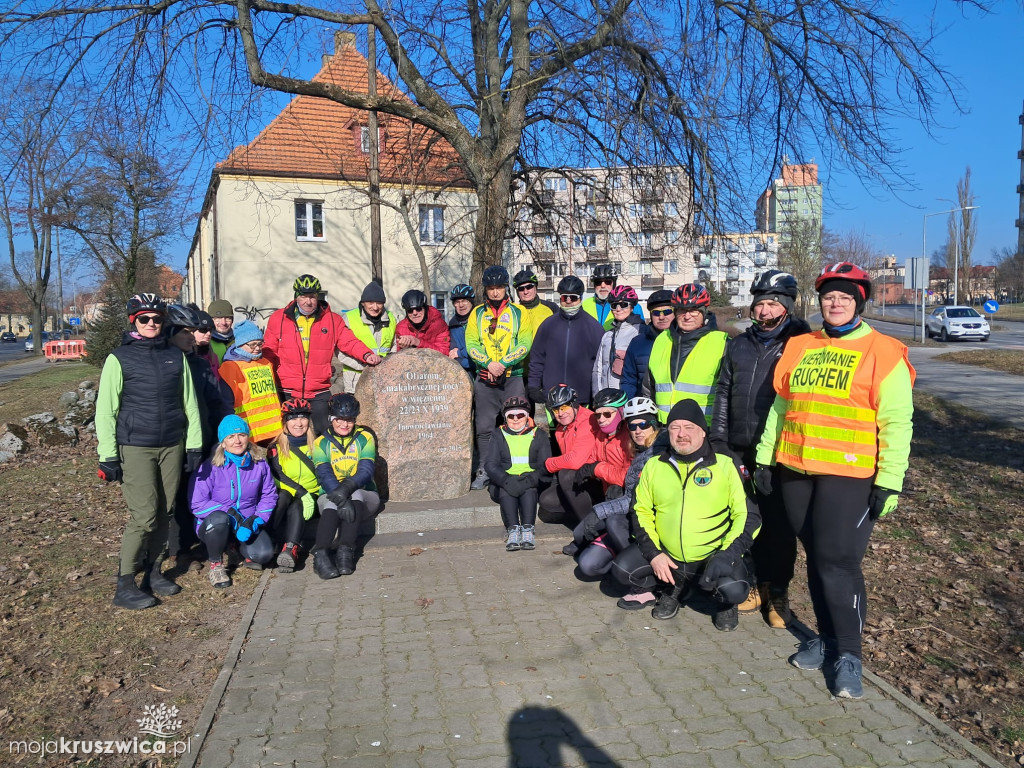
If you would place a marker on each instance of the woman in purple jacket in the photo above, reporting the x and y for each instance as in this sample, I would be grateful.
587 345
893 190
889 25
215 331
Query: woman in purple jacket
233 495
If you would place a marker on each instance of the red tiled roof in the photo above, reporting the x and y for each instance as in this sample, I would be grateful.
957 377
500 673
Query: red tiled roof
318 138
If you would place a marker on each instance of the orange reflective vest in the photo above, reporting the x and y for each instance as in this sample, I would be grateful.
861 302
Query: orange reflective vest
255 393
831 392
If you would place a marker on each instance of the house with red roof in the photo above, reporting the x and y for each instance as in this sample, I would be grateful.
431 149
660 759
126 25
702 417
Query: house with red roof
295 200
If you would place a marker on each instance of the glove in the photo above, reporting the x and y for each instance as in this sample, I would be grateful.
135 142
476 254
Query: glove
536 394
585 473
343 491
763 480
236 518
193 459
347 511
514 485
614 492
530 480
110 471
881 502
719 566
248 529
308 506
593 526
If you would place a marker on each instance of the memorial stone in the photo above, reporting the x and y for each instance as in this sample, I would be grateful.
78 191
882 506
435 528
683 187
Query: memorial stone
419 404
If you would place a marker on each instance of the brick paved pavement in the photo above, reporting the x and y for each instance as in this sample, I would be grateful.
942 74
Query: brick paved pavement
517 663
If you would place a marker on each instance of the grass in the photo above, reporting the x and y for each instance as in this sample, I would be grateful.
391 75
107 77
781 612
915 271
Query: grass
1005 360
39 391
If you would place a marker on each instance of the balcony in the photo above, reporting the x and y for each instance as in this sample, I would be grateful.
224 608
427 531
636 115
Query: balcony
652 282
545 283
648 253
702 260
596 253
732 289
591 224
546 255
652 196
733 273
760 260
652 223
542 228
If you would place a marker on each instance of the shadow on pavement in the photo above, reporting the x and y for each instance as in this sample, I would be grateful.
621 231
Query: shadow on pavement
537 735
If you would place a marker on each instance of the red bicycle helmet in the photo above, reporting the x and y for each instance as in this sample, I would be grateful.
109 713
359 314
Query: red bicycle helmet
623 293
845 270
294 408
691 296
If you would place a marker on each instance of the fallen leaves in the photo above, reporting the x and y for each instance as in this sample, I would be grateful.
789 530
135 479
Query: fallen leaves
416 551
423 602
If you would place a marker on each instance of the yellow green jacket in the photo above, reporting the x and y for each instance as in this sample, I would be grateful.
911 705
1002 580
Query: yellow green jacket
508 343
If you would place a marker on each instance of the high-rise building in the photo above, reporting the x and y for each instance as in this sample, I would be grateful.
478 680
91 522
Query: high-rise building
794 196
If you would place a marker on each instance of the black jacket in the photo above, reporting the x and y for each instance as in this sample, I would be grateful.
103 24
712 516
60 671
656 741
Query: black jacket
563 352
745 391
499 458
213 395
152 409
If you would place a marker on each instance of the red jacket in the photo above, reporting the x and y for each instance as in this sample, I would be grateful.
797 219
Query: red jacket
433 334
297 373
576 442
612 454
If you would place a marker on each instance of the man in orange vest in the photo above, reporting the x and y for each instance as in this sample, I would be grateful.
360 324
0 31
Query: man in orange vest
251 379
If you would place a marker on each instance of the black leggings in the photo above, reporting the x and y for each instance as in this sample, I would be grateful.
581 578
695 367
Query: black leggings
632 569
773 553
215 531
595 557
515 510
566 498
287 521
332 527
830 516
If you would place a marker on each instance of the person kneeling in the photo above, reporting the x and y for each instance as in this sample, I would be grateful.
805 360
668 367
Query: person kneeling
291 463
345 457
692 521
516 458
233 496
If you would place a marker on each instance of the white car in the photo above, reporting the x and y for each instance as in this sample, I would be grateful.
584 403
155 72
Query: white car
957 323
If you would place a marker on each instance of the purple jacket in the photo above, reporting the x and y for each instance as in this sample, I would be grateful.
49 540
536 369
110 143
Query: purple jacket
248 489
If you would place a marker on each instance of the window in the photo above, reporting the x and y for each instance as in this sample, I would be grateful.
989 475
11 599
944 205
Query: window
615 210
640 268
431 224
438 299
555 269
552 242
615 181
671 267
671 209
555 183
614 239
634 238
309 220
585 240
673 236
636 210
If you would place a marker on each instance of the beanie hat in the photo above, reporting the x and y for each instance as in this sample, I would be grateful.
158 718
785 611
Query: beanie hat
220 308
784 300
231 425
245 332
688 410
661 298
848 287
374 291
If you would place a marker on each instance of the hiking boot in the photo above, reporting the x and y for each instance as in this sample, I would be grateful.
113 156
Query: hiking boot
252 565
287 558
130 596
753 602
219 578
812 653
776 609
154 581
345 560
846 684
513 539
323 566
667 606
480 482
570 549
726 618
526 536
635 601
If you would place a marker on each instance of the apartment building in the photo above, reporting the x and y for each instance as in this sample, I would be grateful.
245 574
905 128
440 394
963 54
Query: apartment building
794 197
732 262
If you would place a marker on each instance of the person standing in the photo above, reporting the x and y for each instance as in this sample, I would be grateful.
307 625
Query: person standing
534 307
253 386
373 325
147 429
839 431
685 360
299 343
604 279
423 326
462 297
611 356
223 335
638 353
498 340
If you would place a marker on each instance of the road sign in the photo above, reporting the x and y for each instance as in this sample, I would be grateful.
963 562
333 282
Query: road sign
991 306
74 321
915 276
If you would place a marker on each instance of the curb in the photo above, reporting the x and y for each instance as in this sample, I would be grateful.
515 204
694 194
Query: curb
209 711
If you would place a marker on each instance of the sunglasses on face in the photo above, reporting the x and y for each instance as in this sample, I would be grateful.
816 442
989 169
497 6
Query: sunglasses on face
604 282
526 287
150 320
515 415
661 312
569 298
561 409
606 414
620 305
635 425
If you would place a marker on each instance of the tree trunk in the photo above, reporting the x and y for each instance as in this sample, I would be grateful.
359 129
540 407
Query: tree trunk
491 222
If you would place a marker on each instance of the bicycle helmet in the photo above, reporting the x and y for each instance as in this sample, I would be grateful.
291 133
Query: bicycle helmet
179 317
463 291
516 403
495 276
414 299
145 302
624 293
604 272
306 284
610 397
561 394
691 296
294 408
343 406
774 283
570 284
639 407
525 277
847 272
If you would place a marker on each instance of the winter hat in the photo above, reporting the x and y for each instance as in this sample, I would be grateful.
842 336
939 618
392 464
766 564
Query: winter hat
231 425
783 299
245 332
688 410
657 299
374 291
220 308
848 287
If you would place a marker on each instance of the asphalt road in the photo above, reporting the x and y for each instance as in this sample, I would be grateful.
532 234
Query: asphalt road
1007 334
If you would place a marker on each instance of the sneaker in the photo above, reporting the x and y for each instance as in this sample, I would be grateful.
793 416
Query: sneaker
753 602
252 565
634 601
286 560
480 482
570 549
667 606
513 539
726 618
811 654
846 684
526 532
219 578
776 609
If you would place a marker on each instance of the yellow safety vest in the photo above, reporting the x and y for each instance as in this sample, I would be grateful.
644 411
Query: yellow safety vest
519 449
354 321
697 378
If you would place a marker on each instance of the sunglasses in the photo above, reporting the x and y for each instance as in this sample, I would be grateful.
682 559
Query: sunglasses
561 409
604 282
635 425
525 287
606 414
621 305
515 415
661 312
150 320
569 298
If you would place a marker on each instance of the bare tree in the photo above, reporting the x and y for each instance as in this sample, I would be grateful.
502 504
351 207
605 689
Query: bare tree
1009 273
800 254
962 232
720 89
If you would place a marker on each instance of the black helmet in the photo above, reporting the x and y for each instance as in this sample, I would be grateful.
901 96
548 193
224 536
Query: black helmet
306 284
516 403
604 272
414 299
343 406
525 277
205 321
145 302
776 282
463 291
561 394
609 398
179 317
570 284
495 276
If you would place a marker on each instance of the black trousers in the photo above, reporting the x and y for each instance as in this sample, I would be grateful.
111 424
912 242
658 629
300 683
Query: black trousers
632 569
565 496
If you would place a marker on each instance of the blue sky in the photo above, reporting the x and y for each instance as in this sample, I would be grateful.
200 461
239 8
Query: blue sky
984 52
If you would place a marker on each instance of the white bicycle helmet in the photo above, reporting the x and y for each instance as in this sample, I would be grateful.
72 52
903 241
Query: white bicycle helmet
638 407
